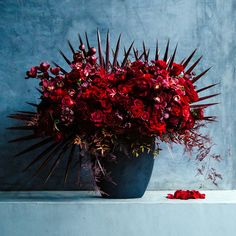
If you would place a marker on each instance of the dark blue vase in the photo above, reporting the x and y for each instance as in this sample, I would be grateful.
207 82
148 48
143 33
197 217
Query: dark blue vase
128 175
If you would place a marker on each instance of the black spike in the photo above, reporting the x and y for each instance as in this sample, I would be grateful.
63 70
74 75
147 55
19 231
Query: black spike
87 41
189 58
207 87
51 156
107 50
70 159
172 57
35 146
127 55
207 97
135 53
100 49
65 58
32 104
166 52
21 128
116 52
196 78
157 51
24 138
42 154
193 66
56 162
62 70
71 47
80 39
144 51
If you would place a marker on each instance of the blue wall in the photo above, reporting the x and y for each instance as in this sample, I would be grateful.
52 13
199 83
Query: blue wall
32 31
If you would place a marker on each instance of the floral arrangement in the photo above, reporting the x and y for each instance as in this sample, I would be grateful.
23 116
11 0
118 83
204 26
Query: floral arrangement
102 101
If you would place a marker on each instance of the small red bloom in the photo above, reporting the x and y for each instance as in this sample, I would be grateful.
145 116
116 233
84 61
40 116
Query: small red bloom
176 69
32 72
186 194
44 66
97 117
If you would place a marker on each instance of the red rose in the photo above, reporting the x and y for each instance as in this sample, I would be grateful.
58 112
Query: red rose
97 117
176 69
67 101
136 111
161 64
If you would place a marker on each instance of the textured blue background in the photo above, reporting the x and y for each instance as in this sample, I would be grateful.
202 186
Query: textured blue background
31 31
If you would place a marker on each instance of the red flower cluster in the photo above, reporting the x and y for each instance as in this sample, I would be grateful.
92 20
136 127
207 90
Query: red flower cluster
144 98
186 194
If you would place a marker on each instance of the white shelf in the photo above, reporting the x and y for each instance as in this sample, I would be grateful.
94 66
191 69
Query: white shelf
86 214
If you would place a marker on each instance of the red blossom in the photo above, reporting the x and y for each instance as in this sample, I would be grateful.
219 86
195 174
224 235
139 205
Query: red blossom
186 194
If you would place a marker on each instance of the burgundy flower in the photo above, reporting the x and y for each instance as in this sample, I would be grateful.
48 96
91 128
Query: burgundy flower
97 117
44 66
32 73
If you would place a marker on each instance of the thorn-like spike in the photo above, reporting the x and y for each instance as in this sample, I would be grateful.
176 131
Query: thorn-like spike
49 149
71 47
100 49
35 146
207 97
207 87
203 105
62 70
107 50
166 52
185 63
21 128
172 57
24 138
144 51
114 64
32 104
135 53
27 112
87 40
157 51
70 158
193 66
41 92
127 54
56 162
196 78
80 39
65 58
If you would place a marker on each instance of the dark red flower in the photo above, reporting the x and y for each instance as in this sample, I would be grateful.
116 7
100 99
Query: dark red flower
55 70
44 66
176 69
32 73
97 117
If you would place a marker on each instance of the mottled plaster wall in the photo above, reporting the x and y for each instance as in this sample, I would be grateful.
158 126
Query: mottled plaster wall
31 31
